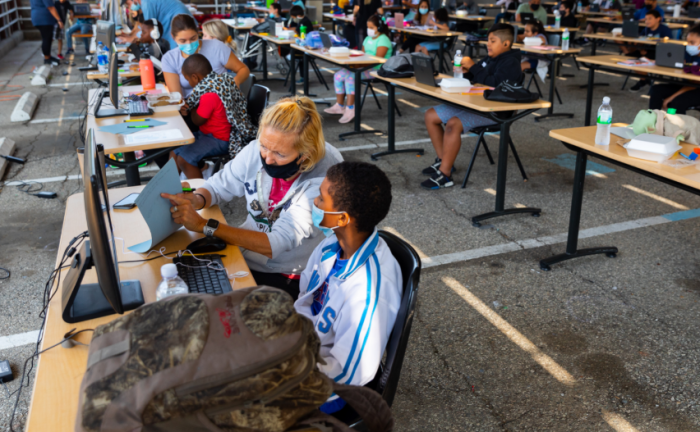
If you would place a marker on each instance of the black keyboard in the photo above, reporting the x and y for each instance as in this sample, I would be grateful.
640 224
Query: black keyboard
201 279
139 108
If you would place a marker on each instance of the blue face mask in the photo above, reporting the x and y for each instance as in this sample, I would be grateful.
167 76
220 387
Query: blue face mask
692 50
423 11
189 48
135 7
317 217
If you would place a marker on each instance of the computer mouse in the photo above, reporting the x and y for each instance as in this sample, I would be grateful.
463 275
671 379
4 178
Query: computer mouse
207 245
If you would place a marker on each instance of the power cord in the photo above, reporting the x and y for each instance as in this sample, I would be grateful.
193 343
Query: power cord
33 188
50 289
7 276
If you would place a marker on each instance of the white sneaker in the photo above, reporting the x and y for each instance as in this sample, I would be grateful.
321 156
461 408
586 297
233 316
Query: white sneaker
208 171
348 115
335 109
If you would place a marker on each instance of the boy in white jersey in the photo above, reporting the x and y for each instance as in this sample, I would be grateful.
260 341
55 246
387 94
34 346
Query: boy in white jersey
351 287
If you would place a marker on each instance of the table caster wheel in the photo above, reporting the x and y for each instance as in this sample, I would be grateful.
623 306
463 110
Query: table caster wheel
476 224
535 215
611 255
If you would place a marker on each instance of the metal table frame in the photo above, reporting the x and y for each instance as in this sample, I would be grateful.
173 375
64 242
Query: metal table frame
505 124
572 250
357 130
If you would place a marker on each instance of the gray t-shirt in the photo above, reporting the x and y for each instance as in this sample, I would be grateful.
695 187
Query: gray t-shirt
214 50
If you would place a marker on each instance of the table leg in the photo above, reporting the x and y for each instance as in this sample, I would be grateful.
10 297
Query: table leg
293 73
574 222
589 95
132 171
552 90
306 75
501 183
264 59
357 130
391 90
440 60
590 84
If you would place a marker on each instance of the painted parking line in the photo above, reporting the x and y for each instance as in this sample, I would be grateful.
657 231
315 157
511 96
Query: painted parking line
55 120
439 260
568 161
17 340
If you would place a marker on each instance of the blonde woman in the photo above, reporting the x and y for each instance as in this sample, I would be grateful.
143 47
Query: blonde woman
279 174
216 29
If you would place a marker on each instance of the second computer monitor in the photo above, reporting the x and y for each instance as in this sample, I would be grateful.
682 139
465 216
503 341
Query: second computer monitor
105 33
114 76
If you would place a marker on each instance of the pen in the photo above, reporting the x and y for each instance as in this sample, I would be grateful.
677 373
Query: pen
189 189
136 120
139 127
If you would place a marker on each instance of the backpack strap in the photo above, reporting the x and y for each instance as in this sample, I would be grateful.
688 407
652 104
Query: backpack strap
368 404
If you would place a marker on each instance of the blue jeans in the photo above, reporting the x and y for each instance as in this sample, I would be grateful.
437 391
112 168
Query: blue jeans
84 28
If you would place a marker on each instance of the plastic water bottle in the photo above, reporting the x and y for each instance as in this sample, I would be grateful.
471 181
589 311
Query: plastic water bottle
457 69
579 8
557 19
602 133
102 59
565 39
676 10
171 283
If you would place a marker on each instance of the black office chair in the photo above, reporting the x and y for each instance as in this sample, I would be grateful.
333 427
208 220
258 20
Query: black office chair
387 378
258 97
482 131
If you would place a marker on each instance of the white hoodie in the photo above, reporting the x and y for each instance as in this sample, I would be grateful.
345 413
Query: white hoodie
289 227
356 321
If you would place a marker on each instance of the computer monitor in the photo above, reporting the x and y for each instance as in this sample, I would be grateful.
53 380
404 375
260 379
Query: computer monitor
105 33
113 90
526 17
85 301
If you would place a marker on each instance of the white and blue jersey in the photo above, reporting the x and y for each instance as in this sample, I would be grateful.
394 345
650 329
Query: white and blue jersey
358 308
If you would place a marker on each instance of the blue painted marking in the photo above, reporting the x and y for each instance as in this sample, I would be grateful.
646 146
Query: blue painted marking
682 215
568 161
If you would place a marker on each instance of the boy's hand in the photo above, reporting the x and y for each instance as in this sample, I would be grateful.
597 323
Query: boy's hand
467 63
184 108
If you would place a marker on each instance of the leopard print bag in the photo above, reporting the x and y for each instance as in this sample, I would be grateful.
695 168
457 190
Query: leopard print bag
242 130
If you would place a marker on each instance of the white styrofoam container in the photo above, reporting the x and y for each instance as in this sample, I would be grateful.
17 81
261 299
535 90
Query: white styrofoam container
461 13
174 97
455 85
656 148
617 31
339 52
285 34
533 41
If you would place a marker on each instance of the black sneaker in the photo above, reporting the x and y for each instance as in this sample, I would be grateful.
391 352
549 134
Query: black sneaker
437 181
640 85
55 60
70 51
435 168
49 61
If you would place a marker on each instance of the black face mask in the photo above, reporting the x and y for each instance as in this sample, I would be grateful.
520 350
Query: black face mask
534 7
281 171
649 7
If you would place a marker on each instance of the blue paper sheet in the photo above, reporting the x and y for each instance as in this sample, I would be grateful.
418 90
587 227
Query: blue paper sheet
124 129
156 210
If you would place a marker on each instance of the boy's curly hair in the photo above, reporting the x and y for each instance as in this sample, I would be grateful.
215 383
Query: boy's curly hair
362 190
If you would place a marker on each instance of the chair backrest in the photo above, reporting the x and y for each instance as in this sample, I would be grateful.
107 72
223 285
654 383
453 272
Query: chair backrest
410 264
554 39
247 84
257 102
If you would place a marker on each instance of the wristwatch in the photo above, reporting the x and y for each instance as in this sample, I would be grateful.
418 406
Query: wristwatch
210 227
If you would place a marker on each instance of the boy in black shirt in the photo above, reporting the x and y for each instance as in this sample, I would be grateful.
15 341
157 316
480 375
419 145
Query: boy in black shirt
297 20
502 64
568 20
63 7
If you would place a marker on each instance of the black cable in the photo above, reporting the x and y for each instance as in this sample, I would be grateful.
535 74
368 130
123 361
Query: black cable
27 186
54 280
6 271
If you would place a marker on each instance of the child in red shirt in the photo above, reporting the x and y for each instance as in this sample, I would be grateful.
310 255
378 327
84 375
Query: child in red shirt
212 139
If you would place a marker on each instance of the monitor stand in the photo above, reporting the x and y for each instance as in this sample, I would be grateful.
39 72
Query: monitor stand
82 302
101 112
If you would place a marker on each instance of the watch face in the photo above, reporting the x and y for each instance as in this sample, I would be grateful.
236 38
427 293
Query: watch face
213 223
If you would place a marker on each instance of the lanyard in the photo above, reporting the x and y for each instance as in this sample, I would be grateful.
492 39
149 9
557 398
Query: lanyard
263 201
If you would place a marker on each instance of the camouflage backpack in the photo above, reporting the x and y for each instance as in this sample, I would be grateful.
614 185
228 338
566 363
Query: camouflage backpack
243 361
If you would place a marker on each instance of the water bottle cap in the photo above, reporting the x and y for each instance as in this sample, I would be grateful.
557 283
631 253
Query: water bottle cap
458 52
606 100
168 270
671 111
